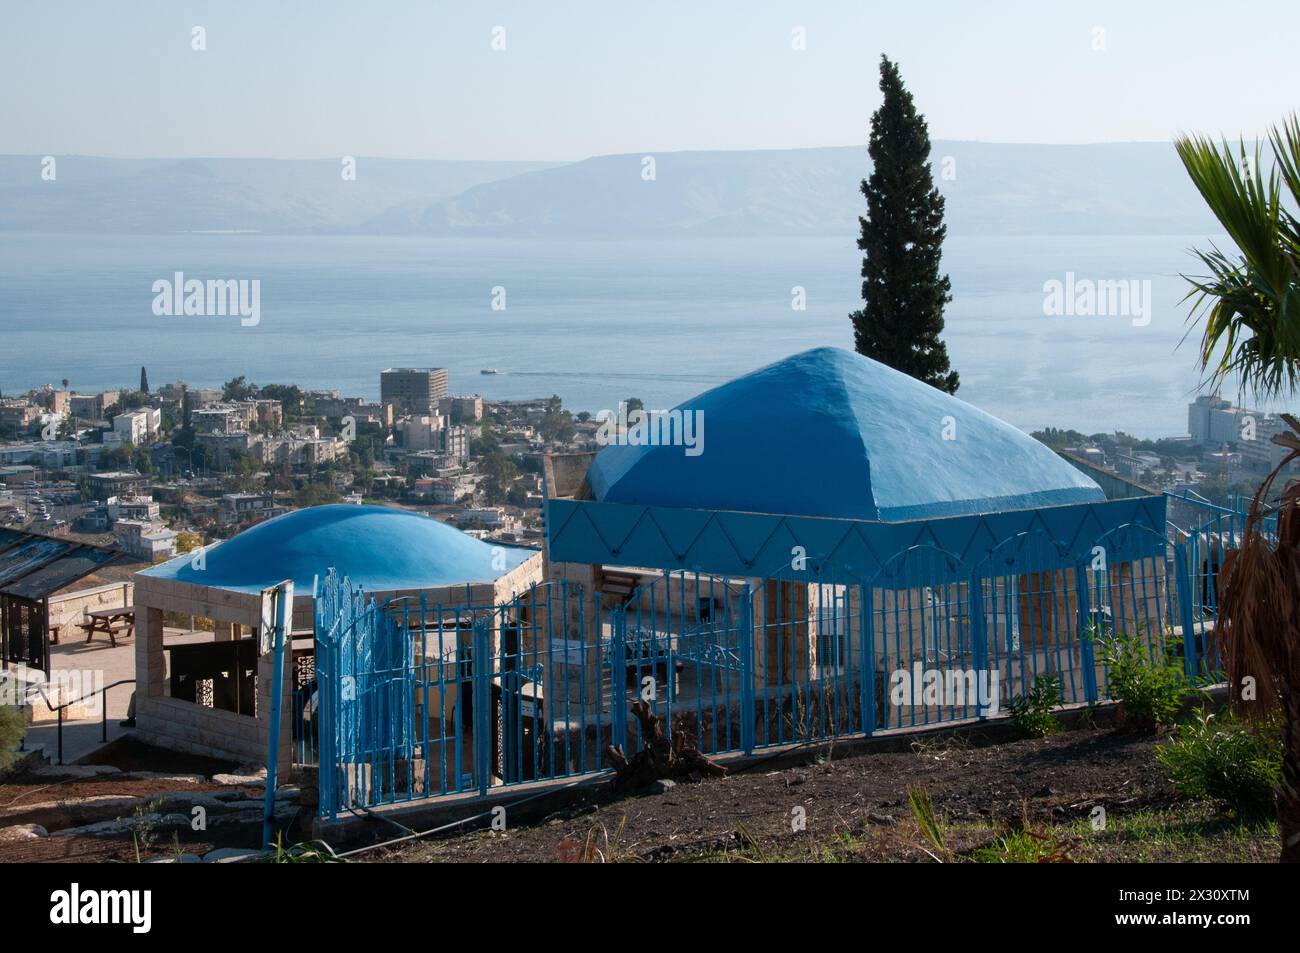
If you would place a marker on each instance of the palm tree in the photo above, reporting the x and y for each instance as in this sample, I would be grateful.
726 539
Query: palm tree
1250 303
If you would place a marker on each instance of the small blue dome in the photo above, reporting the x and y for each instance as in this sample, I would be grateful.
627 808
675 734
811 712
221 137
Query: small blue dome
832 433
378 548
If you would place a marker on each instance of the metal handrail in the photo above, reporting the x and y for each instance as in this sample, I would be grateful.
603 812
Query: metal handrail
103 709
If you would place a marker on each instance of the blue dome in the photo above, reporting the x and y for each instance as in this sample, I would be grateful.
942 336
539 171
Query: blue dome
378 548
832 433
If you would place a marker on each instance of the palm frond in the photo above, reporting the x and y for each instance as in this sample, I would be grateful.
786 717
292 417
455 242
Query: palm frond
1250 303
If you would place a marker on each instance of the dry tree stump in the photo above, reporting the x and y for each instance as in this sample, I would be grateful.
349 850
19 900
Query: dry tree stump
672 758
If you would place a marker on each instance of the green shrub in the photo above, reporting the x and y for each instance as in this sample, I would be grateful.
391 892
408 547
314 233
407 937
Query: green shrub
1032 712
1221 759
1150 684
13 725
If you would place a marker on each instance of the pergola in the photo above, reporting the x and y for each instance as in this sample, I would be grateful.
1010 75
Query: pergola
32 568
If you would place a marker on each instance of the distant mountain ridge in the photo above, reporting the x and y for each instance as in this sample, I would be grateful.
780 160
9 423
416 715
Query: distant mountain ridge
991 188
291 196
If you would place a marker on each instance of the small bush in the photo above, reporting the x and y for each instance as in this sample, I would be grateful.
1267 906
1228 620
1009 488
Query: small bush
1220 759
1032 712
13 725
1150 684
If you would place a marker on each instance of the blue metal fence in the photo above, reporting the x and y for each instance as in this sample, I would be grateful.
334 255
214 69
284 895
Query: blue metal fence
413 701
1202 534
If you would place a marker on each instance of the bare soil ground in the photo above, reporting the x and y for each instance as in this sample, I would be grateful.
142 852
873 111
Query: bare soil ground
1023 800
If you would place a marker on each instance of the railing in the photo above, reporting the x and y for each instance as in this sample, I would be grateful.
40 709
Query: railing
415 701
1198 556
103 710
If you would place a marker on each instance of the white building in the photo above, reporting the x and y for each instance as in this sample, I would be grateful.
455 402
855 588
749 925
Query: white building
145 540
1255 444
495 518
450 489
51 454
1213 421
423 432
138 508
239 507
137 426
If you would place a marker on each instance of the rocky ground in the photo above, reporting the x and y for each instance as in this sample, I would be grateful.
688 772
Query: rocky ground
140 804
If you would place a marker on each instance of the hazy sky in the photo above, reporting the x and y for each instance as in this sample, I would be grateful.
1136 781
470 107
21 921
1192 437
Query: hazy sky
419 79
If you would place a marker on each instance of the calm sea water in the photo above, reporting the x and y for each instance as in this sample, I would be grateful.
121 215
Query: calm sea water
592 322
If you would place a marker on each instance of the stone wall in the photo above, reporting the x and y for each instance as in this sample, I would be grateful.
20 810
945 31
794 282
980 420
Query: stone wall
69 608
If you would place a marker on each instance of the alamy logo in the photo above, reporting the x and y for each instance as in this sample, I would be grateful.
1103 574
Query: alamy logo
953 687
76 906
211 298
1086 297
651 428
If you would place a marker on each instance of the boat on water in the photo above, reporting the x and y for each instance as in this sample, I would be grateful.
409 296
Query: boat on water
489 370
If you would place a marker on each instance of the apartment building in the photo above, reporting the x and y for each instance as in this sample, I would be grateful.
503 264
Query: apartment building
148 541
117 483
1213 421
412 390
243 507
462 409
93 406
141 509
137 426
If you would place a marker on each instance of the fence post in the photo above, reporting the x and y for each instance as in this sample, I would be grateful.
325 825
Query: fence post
326 722
618 678
482 704
277 610
866 658
979 646
1183 582
1086 632
747 669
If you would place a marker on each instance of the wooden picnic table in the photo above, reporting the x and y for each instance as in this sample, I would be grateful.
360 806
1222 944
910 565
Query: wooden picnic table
110 622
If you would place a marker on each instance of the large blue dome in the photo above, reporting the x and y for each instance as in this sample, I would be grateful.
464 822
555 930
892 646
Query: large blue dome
832 433
378 548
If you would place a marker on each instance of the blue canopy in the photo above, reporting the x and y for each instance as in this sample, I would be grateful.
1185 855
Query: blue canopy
378 548
832 433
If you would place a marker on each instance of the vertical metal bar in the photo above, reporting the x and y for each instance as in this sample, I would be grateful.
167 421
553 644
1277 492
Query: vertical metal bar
1183 581
618 681
569 760
911 653
980 645
582 682
482 716
463 684
1086 633
539 724
867 658
582 630
424 688
283 614
746 672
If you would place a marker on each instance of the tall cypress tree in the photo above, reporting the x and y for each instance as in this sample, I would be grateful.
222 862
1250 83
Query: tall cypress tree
902 236
144 382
